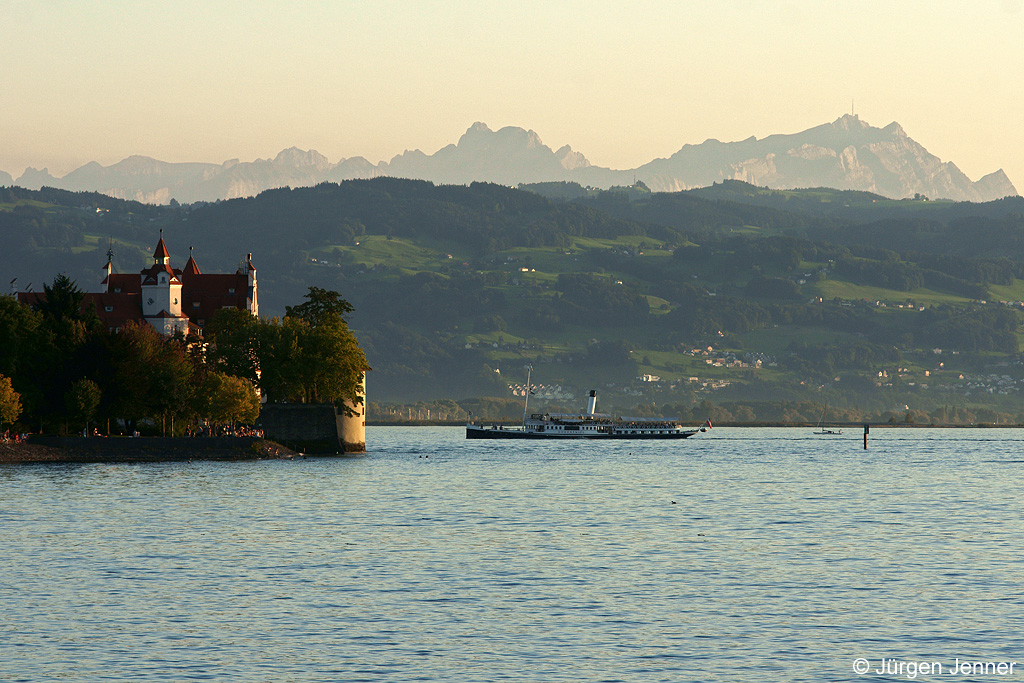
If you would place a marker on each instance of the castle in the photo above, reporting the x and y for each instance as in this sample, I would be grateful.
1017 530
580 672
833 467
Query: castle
170 299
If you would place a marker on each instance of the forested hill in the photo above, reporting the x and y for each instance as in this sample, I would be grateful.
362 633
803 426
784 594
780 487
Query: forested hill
457 288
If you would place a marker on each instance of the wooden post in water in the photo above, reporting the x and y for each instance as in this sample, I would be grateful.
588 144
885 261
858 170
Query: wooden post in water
866 428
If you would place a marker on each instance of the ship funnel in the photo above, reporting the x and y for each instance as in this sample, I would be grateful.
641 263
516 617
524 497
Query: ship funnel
592 402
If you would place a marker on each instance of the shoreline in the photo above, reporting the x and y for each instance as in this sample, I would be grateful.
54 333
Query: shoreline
123 449
793 425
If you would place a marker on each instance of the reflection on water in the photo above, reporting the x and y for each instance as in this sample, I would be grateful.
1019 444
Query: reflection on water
740 555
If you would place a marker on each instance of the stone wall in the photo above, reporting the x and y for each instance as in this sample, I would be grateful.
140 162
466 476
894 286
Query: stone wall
78 449
307 427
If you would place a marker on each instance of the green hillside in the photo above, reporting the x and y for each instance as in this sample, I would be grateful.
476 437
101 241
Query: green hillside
677 303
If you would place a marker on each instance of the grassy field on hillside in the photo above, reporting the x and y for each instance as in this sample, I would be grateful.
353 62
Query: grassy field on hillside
1014 292
831 289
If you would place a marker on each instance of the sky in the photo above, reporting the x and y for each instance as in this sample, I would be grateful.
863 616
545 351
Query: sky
621 82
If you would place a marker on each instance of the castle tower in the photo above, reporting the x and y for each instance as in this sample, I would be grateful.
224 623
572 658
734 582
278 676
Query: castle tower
161 293
252 303
352 428
108 269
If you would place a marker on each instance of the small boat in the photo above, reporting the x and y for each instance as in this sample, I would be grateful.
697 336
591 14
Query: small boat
587 425
821 430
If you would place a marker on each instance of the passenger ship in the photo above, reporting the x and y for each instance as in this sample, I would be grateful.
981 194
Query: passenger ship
588 425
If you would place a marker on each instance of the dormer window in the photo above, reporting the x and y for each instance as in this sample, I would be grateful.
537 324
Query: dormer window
163 279
195 304
231 290
108 309
117 290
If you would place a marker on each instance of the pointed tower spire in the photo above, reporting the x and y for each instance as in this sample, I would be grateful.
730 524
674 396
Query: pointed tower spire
109 268
191 268
161 256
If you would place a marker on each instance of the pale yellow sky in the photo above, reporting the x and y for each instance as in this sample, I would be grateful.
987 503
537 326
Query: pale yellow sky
622 82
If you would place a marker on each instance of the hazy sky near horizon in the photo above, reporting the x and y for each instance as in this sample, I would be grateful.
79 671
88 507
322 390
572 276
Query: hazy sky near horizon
621 82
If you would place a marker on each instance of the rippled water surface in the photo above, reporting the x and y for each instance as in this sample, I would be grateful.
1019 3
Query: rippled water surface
739 555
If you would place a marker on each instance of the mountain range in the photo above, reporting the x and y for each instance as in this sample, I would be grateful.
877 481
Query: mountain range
847 154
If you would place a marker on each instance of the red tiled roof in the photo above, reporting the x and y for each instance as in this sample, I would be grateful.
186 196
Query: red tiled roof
161 250
164 314
191 268
30 298
149 275
124 307
128 283
213 292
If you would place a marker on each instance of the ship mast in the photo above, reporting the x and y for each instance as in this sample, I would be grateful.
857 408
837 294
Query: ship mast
526 402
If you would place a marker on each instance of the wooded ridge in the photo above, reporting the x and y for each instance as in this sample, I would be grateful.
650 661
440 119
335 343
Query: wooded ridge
727 295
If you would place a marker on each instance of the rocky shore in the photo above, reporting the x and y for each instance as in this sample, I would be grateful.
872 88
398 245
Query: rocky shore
58 449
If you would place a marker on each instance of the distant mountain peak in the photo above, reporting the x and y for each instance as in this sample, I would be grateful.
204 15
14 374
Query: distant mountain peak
34 179
849 122
571 160
846 154
300 158
896 130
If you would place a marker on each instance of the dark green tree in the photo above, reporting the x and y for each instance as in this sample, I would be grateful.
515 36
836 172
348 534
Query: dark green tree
82 401
321 306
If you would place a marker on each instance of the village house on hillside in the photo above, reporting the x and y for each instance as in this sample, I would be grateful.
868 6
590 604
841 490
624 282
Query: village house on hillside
170 299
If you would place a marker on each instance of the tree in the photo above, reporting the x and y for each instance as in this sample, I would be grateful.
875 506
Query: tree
224 399
18 327
234 337
10 401
152 374
59 347
62 300
82 400
312 356
299 362
323 305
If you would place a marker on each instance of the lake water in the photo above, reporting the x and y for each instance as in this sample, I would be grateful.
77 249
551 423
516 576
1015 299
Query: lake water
738 555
